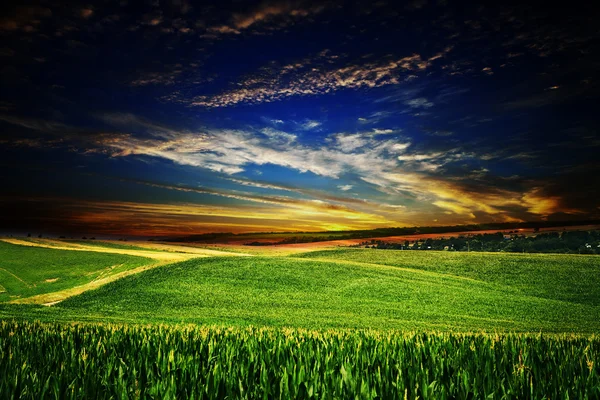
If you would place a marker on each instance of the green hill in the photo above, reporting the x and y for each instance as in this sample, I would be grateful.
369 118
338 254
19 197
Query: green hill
463 292
349 288
570 278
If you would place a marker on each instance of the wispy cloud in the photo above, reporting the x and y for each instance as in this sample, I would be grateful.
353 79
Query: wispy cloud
315 194
230 151
419 102
279 136
376 117
158 78
268 11
309 125
316 76
335 207
385 131
35 124
389 163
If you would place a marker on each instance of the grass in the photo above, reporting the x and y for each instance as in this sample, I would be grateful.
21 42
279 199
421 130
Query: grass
318 293
29 271
102 362
567 278
416 290
351 323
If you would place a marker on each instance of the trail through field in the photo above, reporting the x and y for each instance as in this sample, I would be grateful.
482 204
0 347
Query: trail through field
49 299
15 276
179 248
167 256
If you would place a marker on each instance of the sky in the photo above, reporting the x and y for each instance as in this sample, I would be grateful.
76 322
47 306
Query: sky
176 118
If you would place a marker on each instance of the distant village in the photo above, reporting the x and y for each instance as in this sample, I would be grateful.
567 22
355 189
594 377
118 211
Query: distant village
568 242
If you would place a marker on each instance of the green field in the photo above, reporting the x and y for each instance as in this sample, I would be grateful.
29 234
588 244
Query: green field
98 361
337 324
28 271
313 293
337 289
562 277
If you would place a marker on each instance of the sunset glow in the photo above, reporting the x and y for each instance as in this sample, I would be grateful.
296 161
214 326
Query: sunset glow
178 119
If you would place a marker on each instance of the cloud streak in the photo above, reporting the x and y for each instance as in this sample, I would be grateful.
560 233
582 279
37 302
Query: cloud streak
266 12
386 162
317 77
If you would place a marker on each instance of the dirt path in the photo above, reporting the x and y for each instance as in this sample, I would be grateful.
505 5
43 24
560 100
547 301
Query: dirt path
166 256
180 248
50 299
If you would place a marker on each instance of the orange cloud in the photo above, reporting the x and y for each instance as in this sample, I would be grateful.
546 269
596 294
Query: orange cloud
267 11
86 13
539 203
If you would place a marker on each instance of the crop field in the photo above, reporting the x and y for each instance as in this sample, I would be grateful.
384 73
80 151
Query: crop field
97 361
334 323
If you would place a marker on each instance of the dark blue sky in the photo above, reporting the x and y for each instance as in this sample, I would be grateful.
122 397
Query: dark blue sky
172 117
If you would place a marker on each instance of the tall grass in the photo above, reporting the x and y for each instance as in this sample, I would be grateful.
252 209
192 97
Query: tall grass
110 361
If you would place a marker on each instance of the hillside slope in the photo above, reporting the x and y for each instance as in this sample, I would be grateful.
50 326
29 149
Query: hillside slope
334 293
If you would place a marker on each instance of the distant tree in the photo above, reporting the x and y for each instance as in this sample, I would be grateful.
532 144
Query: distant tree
29 235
